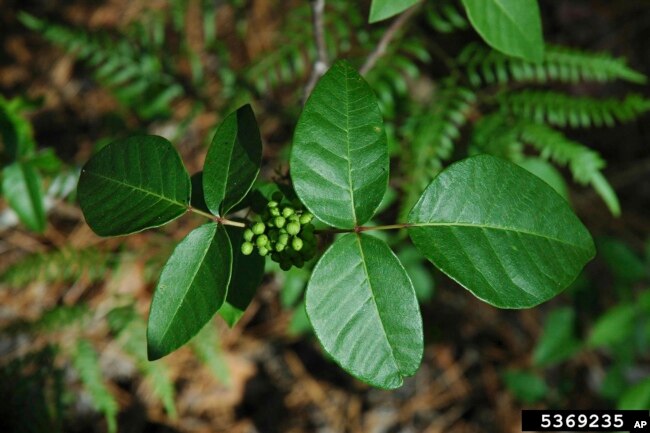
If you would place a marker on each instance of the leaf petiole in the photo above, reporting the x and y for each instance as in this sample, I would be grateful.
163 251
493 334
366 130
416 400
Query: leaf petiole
217 219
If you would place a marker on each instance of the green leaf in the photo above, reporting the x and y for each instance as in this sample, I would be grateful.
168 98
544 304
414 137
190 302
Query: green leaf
382 9
622 260
339 160
46 161
197 198
614 327
132 185
558 341
513 27
233 161
192 287
548 173
526 386
247 273
363 308
23 190
637 397
501 232
420 275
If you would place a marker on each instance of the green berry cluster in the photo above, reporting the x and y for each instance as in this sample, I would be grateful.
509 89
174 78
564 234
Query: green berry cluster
285 233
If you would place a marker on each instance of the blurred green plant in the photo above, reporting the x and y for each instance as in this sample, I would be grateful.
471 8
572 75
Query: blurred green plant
23 165
614 340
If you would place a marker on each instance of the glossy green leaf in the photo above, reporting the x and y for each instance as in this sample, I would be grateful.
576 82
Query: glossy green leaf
501 232
513 27
22 187
383 9
364 311
233 161
558 341
339 160
192 287
132 185
247 273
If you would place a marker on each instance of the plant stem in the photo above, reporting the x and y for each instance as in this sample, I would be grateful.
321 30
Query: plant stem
364 229
386 39
217 219
321 63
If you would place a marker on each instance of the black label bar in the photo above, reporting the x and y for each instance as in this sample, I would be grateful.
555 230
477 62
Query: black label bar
585 420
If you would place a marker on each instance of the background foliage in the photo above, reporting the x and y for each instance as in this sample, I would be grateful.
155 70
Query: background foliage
73 307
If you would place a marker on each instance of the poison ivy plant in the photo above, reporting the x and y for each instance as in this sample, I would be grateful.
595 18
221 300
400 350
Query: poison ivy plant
498 230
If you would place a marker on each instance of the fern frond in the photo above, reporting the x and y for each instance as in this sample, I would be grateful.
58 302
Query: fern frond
86 362
559 109
58 266
131 69
499 135
487 66
585 164
61 317
132 332
390 77
207 347
432 133
493 134
446 16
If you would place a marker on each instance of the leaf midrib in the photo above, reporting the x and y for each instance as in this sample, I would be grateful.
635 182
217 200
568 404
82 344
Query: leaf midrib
196 271
137 188
372 295
347 142
491 227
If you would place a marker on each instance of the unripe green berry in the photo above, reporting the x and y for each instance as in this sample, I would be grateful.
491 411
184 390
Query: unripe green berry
296 244
279 221
283 238
306 218
246 248
293 228
248 235
259 228
261 241
280 247
275 212
263 251
272 204
287 212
